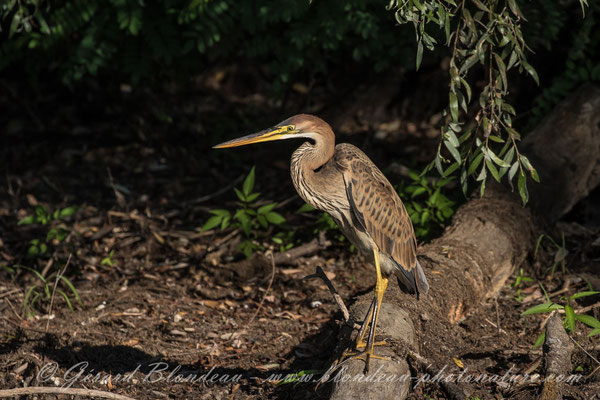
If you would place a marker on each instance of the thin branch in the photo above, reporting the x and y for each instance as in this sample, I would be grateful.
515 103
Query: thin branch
319 273
59 390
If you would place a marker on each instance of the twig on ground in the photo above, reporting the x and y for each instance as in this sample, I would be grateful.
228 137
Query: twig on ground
10 293
454 390
584 350
60 390
338 299
24 327
266 292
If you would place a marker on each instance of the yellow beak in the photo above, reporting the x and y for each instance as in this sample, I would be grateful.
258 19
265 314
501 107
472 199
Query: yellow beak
275 133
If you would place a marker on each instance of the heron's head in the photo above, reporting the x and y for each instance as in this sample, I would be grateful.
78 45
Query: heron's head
298 126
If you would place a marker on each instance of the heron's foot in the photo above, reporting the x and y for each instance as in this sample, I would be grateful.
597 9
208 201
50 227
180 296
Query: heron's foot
359 344
364 355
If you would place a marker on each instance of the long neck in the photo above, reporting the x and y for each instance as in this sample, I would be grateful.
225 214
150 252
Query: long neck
305 161
316 155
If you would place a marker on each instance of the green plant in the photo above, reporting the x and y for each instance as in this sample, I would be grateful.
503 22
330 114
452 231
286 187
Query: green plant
108 260
57 231
428 207
559 256
42 289
138 40
285 240
482 35
519 280
250 217
301 376
569 317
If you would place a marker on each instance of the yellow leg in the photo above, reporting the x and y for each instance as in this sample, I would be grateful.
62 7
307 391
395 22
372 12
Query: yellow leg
380 287
369 323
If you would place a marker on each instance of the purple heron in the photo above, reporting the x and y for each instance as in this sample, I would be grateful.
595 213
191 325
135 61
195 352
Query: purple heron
342 181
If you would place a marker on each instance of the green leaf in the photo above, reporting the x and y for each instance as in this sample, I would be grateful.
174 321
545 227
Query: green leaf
67 212
305 208
454 106
481 6
252 197
530 168
588 320
508 108
512 4
212 222
475 163
64 295
570 318
14 24
453 150
502 69
496 159
542 308
262 220
467 89
417 191
44 28
583 294
451 169
225 223
424 217
275 218
522 184
240 195
530 71
512 171
419 53
594 332
28 220
452 138
492 168
482 175
540 340
249 183
220 213
265 209
469 62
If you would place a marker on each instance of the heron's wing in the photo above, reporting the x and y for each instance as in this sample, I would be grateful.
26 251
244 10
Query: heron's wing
378 209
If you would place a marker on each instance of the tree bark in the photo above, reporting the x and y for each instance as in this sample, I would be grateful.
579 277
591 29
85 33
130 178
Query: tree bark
488 238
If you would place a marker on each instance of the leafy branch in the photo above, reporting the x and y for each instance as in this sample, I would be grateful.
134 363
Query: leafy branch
484 33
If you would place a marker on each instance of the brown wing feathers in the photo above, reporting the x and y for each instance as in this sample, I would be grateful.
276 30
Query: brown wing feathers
379 209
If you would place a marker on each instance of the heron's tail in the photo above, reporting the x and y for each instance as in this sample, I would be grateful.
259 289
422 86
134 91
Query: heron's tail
413 281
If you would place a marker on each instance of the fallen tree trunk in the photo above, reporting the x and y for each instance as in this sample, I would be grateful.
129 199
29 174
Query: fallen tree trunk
489 237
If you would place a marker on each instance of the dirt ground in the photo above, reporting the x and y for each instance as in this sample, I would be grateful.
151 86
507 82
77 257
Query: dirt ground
170 311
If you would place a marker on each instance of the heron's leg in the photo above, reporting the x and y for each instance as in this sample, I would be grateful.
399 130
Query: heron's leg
370 322
380 288
373 312
363 329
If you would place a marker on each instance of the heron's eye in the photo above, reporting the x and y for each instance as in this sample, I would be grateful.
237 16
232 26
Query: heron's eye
290 128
